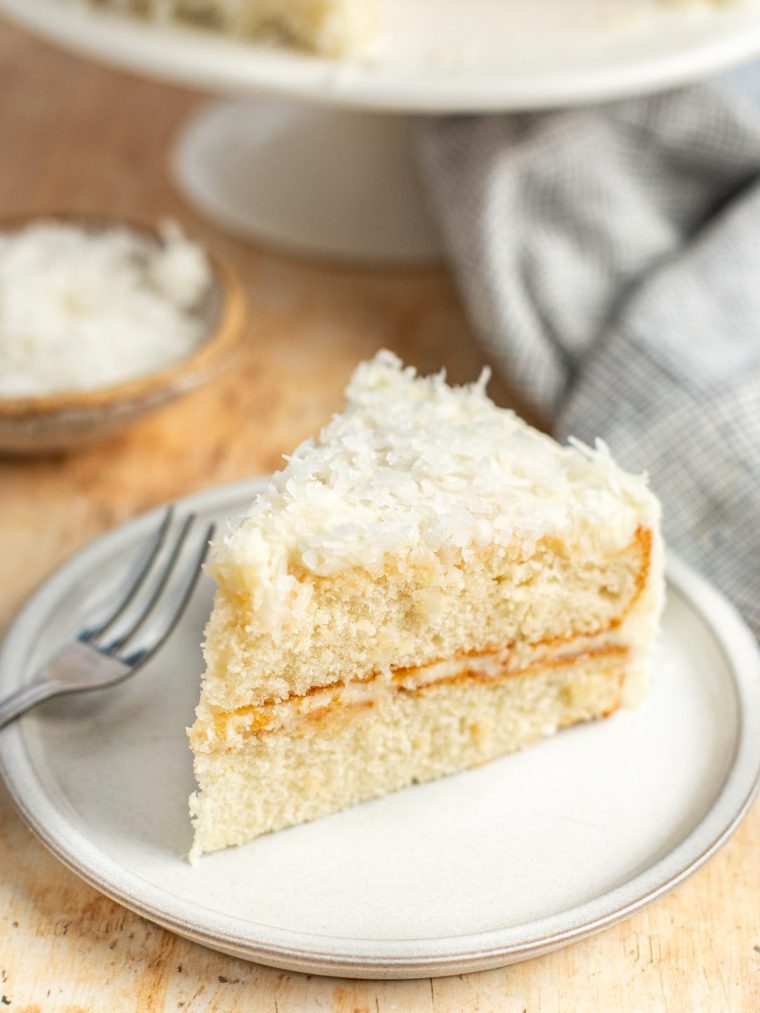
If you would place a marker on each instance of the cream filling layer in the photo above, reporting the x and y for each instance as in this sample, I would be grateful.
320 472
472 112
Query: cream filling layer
225 730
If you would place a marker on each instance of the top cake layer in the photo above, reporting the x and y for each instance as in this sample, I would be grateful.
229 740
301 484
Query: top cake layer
416 467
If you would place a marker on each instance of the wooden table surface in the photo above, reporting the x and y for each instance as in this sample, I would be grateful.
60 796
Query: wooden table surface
74 136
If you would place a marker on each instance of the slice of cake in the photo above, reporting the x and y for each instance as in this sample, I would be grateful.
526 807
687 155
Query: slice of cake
429 585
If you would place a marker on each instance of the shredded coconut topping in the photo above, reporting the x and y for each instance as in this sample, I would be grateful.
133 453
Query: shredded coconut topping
83 307
416 467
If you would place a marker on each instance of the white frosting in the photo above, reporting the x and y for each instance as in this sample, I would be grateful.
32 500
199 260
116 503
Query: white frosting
416 467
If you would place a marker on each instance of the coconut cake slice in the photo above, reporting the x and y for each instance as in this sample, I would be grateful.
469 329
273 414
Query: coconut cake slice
427 586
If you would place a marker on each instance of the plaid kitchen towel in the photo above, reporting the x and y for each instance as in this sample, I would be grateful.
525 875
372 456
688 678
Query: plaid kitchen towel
609 258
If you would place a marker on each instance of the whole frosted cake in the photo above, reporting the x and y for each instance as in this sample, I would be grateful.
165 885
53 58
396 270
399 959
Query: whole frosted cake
345 28
428 585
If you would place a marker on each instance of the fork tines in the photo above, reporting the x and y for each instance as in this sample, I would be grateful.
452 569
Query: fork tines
154 602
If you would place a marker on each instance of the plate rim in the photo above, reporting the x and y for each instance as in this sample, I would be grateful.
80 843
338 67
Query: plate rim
407 957
199 62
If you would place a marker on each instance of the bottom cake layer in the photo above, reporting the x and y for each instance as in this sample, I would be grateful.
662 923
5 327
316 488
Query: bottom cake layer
359 752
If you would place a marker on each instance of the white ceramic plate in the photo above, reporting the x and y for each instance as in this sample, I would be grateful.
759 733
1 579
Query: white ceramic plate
442 55
484 868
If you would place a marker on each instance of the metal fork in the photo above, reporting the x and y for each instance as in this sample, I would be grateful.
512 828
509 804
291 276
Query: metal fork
115 649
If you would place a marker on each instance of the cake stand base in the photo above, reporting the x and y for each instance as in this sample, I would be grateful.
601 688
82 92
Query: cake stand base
309 180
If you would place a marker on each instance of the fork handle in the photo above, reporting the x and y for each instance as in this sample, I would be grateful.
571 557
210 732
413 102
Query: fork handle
25 698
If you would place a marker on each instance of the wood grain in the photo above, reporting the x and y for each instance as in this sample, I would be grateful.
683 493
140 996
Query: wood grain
76 137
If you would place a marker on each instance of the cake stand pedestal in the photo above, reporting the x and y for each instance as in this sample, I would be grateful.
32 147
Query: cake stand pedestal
310 180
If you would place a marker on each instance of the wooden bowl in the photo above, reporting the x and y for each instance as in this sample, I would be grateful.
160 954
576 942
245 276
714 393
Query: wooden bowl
46 423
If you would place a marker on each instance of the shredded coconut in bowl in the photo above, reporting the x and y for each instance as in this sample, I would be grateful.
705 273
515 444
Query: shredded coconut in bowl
84 307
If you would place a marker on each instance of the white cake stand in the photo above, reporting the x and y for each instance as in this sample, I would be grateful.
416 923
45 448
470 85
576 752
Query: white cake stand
315 156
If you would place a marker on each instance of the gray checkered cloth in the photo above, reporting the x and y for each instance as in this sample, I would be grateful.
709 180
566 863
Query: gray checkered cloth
609 258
